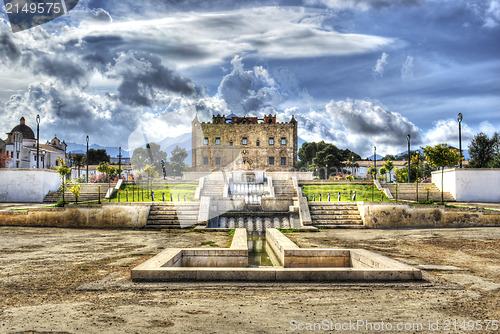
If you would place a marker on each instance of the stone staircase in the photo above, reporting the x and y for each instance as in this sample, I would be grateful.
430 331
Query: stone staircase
88 193
173 215
213 188
408 192
335 215
284 188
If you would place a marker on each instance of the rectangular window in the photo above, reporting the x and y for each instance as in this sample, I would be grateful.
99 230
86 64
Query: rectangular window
205 160
258 143
244 141
217 161
217 141
17 155
283 141
283 160
205 141
271 160
230 143
271 141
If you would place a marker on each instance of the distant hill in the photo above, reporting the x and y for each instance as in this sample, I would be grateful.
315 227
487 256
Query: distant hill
110 150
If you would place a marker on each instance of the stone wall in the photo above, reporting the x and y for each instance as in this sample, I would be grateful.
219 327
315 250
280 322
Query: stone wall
97 216
230 151
27 185
384 215
470 184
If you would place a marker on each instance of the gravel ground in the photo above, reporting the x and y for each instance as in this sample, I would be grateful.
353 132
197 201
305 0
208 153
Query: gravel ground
78 281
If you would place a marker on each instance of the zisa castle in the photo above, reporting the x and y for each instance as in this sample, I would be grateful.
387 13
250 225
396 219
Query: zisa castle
244 143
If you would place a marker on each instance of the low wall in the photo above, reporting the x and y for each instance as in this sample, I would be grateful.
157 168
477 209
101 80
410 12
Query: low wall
27 185
97 216
384 215
470 184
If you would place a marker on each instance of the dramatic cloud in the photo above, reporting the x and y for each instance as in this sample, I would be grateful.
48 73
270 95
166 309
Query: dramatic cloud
8 49
378 70
249 92
363 4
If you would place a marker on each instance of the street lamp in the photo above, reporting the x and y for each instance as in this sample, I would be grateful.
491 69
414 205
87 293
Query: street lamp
43 158
87 158
409 157
37 141
326 173
375 158
459 118
120 163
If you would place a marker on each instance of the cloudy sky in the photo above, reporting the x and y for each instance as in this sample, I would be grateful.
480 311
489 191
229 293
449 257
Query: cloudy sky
356 73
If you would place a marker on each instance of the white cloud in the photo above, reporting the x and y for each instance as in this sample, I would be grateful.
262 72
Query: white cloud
446 131
378 70
407 70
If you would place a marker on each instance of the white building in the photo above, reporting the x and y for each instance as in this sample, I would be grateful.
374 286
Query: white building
21 147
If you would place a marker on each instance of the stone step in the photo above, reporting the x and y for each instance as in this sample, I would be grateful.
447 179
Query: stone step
336 203
338 222
176 224
333 207
331 226
337 212
166 227
173 218
335 217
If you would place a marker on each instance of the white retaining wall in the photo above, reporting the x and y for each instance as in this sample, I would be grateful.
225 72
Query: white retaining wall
470 184
27 185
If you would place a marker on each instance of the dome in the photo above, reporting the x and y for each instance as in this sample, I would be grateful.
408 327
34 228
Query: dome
24 129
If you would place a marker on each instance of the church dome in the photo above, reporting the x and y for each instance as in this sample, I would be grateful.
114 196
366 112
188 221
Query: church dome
24 129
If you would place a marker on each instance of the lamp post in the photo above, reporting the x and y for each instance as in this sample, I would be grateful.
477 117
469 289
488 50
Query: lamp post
326 173
459 118
87 158
352 166
37 141
408 138
119 163
375 158
43 158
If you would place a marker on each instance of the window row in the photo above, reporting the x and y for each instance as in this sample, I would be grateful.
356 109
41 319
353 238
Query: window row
218 161
244 141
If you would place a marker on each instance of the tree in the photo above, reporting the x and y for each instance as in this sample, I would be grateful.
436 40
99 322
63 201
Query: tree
178 155
79 161
483 150
441 156
75 190
389 166
95 157
4 160
389 157
401 174
107 169
371 171
382 172
150 155
63 170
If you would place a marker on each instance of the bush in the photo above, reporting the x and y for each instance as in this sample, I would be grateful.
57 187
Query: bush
60 203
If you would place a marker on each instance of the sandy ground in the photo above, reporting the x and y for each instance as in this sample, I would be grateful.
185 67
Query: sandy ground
78 281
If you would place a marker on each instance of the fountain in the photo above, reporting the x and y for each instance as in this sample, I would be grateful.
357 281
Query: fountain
271 257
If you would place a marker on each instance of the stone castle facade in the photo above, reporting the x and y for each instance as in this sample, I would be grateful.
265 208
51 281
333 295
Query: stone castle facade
244 143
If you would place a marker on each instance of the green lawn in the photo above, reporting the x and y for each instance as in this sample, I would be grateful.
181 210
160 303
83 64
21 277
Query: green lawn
363 192
142 193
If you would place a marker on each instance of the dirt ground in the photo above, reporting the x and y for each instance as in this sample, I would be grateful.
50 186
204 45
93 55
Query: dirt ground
78 281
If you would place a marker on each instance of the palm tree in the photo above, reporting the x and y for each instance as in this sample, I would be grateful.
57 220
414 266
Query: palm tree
79 161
